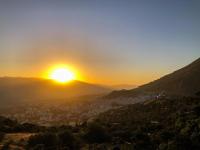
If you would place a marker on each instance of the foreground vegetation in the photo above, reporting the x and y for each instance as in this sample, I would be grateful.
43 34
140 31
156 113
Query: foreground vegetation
164 124
159 124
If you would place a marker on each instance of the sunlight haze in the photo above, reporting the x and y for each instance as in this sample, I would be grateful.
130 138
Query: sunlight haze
109 42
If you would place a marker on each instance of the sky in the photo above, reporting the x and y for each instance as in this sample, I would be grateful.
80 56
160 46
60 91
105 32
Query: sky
104 41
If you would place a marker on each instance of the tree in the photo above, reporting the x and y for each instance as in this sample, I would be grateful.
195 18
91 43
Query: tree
96 134
47 139
67 139
6 146
2 134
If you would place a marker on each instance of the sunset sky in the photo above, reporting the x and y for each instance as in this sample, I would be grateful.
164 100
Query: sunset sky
103 41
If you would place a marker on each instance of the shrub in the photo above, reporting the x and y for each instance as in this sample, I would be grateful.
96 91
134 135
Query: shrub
67 139
6 146
48 140
96 134
2 134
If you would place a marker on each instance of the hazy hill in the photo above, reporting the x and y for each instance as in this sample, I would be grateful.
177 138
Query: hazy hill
185 81
123 86
37 90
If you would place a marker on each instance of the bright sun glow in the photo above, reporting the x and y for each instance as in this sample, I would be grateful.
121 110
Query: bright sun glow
62 75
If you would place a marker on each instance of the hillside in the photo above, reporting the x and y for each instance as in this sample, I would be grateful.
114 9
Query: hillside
157 124
20 90
185 81
162 124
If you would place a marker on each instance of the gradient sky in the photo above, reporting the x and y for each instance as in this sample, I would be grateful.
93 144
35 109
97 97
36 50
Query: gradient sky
107 41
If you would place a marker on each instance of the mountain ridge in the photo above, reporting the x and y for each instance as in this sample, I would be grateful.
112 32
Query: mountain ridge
19 89
184 81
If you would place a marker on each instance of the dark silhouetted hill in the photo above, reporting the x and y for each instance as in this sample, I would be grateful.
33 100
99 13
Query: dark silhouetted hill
20 90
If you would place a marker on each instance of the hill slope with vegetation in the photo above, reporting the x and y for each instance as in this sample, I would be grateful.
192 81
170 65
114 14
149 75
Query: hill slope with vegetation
161 124
158 124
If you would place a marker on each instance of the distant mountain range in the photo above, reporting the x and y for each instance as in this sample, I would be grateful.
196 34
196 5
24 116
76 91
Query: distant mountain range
21 90
185 82
123 86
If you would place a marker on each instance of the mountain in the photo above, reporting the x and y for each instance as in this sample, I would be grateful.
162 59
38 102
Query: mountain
123 86
185 82
20 90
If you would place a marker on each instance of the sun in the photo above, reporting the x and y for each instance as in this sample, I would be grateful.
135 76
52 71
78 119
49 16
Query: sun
62 75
